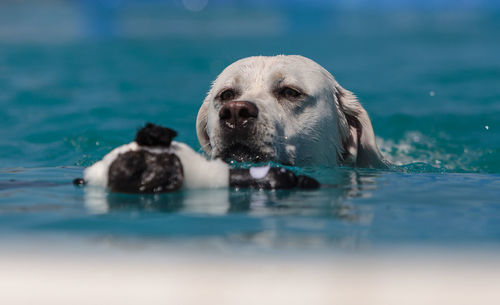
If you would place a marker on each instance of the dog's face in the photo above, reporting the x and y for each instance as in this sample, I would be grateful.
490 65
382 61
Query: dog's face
286 109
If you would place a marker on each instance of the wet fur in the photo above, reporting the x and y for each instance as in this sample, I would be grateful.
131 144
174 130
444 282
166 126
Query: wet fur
327 126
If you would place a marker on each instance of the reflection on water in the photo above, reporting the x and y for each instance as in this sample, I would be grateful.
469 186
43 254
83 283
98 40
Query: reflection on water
332 200
329 216
353 209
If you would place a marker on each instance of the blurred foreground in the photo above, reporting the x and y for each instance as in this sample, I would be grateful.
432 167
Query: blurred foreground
129 273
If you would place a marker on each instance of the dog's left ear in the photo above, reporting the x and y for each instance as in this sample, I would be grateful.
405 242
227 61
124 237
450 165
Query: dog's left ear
201 128
358 138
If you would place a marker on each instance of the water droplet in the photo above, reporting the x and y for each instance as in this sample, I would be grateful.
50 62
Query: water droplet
487 127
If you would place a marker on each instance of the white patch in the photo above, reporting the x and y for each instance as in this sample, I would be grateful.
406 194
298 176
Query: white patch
291 152
198 171
259 172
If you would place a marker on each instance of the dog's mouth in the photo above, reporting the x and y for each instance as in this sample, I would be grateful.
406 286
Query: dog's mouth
243 153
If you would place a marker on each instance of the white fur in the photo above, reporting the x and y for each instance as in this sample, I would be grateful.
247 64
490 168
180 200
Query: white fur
198 171
317 130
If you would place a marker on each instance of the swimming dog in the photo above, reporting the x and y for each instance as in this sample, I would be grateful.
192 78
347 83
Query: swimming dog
286 109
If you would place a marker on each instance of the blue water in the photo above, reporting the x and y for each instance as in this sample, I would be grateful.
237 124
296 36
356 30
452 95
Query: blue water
78 78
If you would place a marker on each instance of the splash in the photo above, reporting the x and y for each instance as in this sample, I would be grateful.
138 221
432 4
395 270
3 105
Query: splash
416 152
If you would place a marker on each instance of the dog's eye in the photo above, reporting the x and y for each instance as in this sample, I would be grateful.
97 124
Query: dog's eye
289 93
227 95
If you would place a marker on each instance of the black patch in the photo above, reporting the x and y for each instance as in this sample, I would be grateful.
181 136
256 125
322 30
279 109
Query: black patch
155 135
276 178
242 153
306 182
145 172
79 181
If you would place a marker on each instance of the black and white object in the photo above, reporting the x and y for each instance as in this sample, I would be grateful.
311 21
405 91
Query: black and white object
153 163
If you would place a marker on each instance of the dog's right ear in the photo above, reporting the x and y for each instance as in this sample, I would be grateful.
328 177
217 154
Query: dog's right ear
201 128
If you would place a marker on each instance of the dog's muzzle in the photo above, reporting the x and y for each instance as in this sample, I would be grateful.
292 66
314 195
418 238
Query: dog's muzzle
237 121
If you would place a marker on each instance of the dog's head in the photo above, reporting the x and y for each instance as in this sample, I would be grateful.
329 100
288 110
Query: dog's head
286 109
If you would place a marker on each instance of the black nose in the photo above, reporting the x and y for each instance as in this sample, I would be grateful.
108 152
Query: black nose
238 114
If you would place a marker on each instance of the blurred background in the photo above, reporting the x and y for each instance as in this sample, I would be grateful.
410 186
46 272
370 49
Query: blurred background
89 72
77 78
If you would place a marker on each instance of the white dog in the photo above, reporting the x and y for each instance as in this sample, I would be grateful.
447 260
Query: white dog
286 109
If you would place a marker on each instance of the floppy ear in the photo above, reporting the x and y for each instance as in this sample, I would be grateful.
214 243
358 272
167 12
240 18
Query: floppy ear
201 128
358 139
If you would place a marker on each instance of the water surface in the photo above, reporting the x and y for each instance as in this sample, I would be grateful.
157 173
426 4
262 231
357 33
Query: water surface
78 80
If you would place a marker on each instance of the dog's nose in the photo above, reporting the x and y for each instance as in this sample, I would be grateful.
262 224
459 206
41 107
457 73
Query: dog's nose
237 114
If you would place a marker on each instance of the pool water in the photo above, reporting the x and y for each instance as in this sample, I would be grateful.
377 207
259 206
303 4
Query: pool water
78 79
